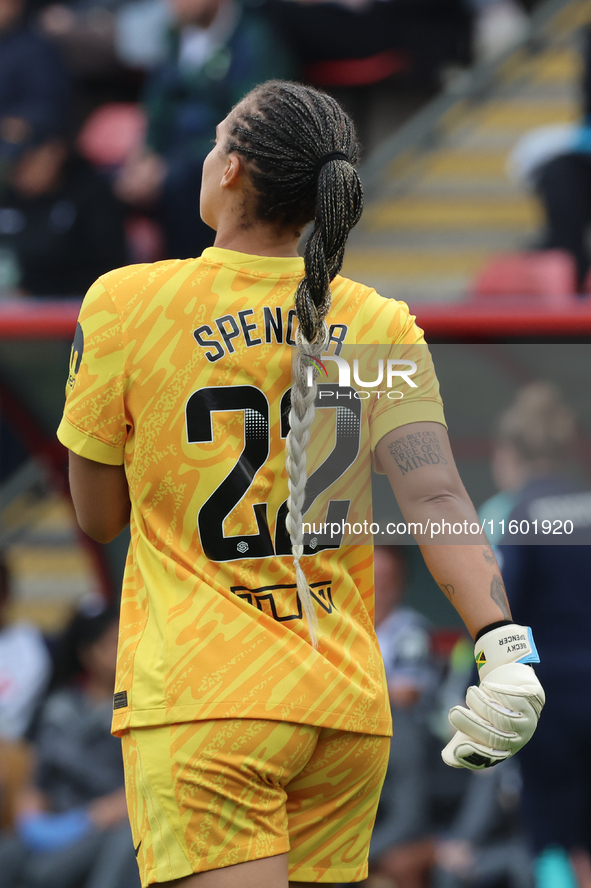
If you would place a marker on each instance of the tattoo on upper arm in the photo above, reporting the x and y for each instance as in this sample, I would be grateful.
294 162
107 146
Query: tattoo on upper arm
488 556
416 450
499 596
447 589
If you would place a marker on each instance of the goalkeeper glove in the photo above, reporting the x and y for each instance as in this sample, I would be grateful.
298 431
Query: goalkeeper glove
502 713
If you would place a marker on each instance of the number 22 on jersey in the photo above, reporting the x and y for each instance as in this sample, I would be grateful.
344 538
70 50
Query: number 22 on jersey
258 427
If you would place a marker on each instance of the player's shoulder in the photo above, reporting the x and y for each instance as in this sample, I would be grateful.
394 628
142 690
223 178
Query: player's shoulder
130 276
344 286
373 314
128 287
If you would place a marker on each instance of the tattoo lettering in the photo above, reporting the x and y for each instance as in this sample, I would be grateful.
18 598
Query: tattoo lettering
447 589
499 596
416 450
488 556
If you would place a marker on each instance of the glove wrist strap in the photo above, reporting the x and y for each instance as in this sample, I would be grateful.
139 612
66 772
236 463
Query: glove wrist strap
492 626
509 643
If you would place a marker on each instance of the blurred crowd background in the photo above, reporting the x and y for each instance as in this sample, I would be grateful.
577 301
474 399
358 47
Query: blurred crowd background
107 109
474 120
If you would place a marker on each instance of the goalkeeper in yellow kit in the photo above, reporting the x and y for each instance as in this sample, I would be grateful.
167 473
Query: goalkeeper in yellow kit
250 692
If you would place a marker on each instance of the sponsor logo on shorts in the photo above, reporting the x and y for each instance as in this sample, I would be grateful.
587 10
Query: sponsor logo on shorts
282 602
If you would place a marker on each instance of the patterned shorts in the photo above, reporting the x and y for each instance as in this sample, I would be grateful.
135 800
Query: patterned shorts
204 795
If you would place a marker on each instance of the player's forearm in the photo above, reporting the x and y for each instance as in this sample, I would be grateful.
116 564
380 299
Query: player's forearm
467 573
471 580
434 502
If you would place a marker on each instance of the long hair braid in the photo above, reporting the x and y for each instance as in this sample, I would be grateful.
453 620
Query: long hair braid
285 131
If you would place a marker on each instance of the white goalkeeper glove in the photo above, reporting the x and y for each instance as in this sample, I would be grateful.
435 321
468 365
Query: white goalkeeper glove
503 711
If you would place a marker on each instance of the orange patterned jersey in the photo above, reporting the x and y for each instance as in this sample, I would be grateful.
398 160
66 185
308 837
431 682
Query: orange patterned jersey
181 372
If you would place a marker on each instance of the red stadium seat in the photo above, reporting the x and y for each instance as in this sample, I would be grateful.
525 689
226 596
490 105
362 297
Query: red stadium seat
112 133
356 72
549 275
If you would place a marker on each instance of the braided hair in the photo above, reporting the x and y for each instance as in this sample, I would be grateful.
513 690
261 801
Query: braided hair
285 131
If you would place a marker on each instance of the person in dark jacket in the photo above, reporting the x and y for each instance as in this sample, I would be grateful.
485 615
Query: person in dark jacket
60 224
217 52
545 558
34 82
563 184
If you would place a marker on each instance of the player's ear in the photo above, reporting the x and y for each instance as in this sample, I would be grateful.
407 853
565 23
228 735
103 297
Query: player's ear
232 171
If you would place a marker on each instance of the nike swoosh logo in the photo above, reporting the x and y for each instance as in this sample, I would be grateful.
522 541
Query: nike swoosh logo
137 850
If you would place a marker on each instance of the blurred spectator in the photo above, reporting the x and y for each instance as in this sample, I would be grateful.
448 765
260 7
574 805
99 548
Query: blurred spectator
217 52
403 632
60 225
556 161
564 184
429 33
25 668
509 475
85 35
141 28
548 579
499 26
484 845
35 88
72 826
401 847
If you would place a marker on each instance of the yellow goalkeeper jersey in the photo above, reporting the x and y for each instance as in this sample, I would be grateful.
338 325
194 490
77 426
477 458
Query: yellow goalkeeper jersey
181 372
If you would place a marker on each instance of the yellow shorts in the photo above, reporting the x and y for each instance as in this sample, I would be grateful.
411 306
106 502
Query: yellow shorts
205 795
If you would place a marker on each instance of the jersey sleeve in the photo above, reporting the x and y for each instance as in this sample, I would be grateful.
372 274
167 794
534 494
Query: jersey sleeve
94 422
421 403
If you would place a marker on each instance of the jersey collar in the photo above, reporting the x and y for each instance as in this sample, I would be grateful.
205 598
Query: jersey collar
269 265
